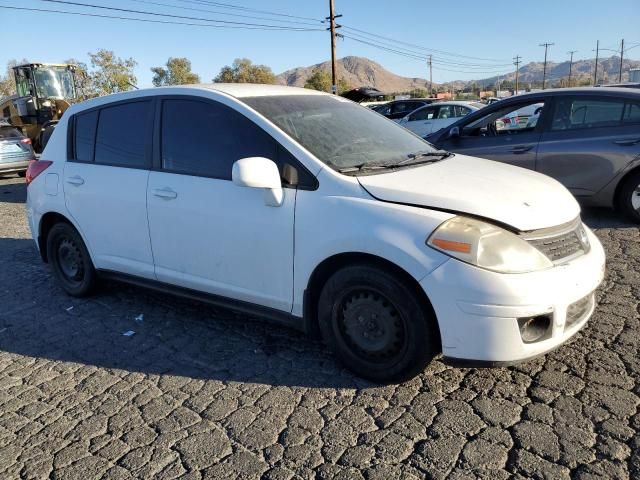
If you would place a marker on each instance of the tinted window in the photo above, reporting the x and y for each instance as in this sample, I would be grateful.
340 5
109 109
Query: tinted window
573 113
206 138
9 132
85 134
632 113
122 132
426 113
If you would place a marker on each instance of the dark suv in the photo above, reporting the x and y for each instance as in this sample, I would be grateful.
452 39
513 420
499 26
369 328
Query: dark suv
586 138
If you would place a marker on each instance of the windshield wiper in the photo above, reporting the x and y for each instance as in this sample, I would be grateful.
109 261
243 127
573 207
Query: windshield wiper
424 157
362 167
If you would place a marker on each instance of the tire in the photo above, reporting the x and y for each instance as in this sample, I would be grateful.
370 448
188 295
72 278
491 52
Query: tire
629 197
70 260
376 325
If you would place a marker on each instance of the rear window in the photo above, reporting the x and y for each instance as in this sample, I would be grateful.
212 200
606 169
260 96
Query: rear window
9 132
122 133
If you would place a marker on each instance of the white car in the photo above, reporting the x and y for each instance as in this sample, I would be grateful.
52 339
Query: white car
524 118
306 208
431 118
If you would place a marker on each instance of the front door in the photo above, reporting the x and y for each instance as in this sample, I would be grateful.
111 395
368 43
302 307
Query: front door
105 185
491 137
207 233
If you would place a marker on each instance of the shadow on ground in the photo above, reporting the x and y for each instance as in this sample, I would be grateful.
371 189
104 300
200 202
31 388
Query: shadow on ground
170 335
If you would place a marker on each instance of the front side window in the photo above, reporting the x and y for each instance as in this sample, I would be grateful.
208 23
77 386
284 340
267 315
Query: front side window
121 134
577 113
85 135
206 138
446 111
514 119
461 111
426 113
339 132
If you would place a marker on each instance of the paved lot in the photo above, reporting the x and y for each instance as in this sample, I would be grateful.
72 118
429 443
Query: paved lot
202 393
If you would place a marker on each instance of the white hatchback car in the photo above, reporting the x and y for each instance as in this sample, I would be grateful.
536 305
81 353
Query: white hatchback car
309 209
431 118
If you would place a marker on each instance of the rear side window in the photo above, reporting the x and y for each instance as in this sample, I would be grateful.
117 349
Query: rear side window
206 138
122 133
577 113
631 113
84 136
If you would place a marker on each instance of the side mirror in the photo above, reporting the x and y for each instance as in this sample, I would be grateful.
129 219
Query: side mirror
454 132
259 172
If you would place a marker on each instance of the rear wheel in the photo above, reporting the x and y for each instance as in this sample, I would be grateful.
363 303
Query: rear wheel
376 325
70 260
629 197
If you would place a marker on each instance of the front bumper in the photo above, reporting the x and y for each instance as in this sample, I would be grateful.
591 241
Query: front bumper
478 310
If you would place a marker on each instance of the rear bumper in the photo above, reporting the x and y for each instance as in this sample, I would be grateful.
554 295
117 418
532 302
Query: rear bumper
14 166
478 310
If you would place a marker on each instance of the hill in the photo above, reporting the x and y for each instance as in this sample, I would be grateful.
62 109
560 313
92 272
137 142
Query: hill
359 71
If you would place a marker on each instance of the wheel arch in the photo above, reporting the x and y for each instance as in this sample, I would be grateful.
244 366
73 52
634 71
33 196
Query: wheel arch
330 265
47 221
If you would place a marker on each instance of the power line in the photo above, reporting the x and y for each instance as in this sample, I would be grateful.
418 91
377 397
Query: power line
544 70
148 20
168 15
443 52
248 9
218 12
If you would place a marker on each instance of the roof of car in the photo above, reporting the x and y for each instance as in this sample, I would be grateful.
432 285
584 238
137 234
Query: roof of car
581 90
240 90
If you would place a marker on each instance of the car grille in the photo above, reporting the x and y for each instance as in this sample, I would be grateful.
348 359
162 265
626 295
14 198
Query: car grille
560 246
577 310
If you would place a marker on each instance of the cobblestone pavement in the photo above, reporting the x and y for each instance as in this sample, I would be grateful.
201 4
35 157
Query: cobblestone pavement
202 393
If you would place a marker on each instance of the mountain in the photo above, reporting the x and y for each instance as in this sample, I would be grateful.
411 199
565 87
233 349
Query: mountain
359 71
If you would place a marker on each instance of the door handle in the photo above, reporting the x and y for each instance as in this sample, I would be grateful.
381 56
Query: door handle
521 149
75 180
165 193
627 143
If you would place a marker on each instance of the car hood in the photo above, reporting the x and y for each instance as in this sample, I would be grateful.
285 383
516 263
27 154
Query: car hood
520 198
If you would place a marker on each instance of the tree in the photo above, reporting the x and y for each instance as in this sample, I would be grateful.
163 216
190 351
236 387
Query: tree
343 86
84 84
111 74
319 80
177 72
7 81
243 71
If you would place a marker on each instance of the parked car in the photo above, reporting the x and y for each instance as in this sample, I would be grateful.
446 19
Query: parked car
432 118
525 117
586 138
306 208
397 109
15 150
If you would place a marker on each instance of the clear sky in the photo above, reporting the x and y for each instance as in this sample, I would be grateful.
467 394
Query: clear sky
491 32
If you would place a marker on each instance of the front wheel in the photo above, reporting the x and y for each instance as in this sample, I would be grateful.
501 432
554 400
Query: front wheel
629 197
375 323
70 260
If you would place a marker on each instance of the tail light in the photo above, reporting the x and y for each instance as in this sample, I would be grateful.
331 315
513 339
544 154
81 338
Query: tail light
26 141
35 168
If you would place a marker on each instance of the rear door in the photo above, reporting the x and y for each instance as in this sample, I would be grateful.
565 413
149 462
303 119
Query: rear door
589 140
487 137
105 184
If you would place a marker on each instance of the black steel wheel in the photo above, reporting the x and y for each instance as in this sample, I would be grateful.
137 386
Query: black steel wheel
377 324
629 197
70 260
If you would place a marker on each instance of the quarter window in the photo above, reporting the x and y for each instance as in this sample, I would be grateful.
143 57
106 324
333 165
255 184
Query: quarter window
206 138
85 135
121 135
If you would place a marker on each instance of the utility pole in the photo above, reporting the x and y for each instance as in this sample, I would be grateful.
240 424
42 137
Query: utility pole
544 70
595 72
571 52
621 57
517 62
332 19
430 76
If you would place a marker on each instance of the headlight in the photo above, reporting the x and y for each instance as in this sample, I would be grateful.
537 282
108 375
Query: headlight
488 246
